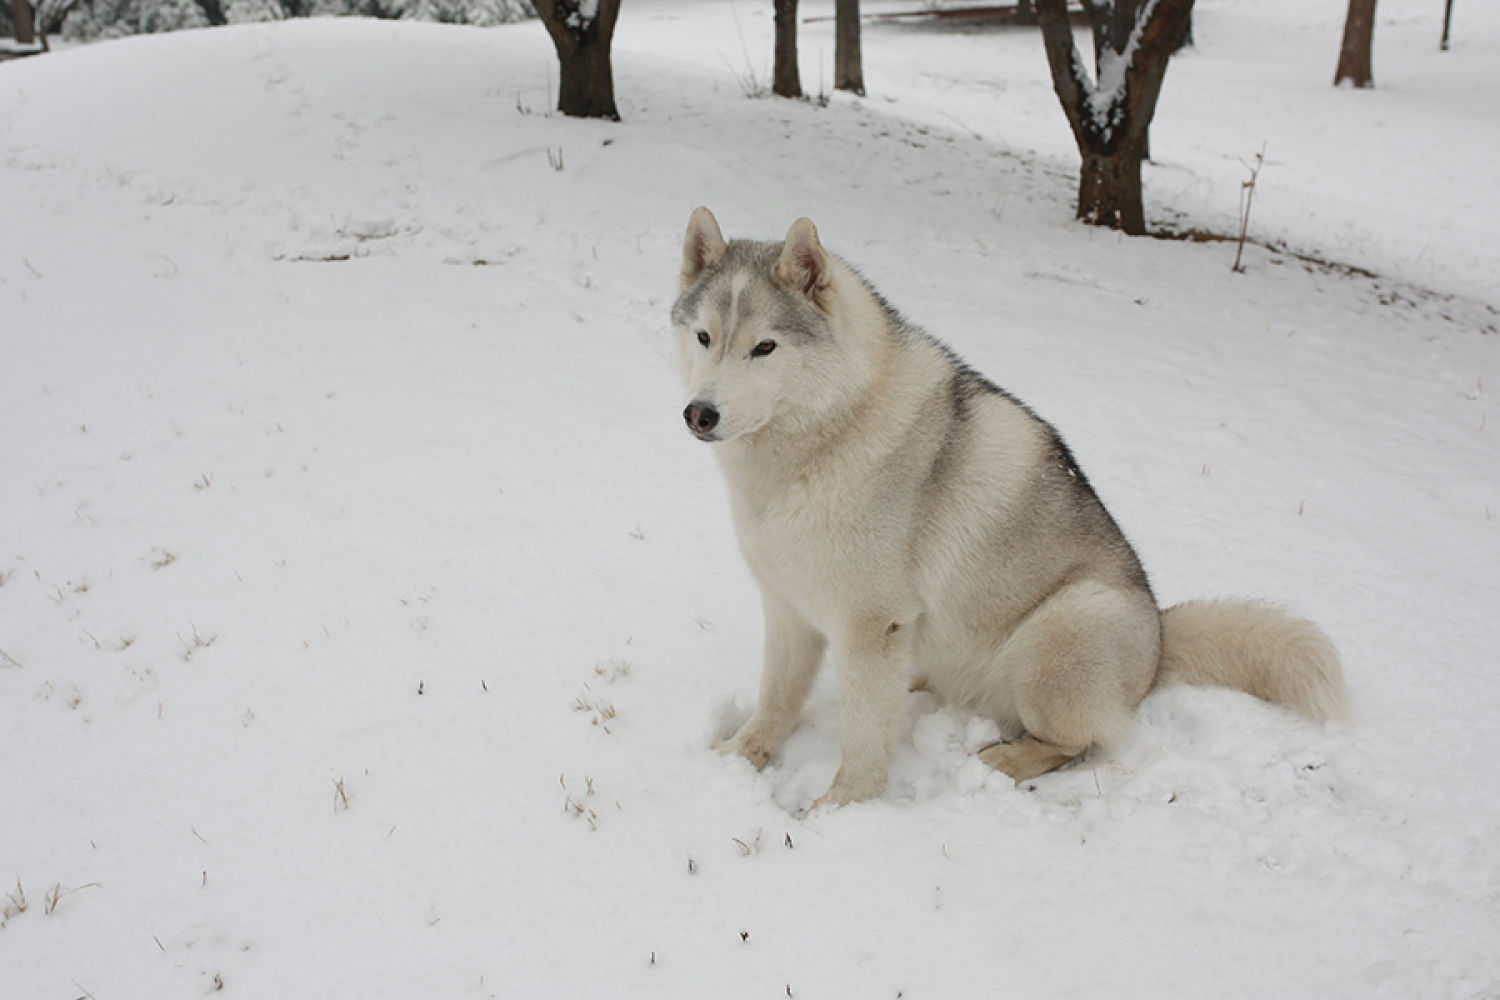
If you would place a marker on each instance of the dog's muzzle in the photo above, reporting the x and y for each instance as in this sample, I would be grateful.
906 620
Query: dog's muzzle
701 419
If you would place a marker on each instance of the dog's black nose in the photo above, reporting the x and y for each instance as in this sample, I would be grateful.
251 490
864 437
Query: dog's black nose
701 417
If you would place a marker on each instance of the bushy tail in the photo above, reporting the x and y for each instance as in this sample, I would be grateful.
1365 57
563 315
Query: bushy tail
1254 647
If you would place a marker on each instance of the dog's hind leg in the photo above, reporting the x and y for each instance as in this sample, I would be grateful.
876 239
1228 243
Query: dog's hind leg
1078 666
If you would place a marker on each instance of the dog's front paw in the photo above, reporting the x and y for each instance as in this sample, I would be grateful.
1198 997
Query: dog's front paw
847 789
745 744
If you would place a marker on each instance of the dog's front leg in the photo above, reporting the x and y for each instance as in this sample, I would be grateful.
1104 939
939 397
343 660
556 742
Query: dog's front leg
793 651
872 663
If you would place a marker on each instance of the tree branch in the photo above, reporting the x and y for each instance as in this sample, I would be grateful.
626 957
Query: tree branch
1158 36
609 13
1070 80
569 28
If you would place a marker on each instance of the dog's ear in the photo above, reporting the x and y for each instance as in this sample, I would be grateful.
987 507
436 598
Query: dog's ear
804 266
702 247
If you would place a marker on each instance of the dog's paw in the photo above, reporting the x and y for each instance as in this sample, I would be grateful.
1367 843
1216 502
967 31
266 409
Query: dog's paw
847 789
1027 757
746 746
827 801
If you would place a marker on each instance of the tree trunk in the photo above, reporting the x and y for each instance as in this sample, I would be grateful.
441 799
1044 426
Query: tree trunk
1110 126
586 84
1186 40
848 70
20 13
785 81
213 11
586 88
1354 54
1109 191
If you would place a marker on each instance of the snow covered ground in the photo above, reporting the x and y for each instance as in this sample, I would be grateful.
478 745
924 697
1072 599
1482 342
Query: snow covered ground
367 615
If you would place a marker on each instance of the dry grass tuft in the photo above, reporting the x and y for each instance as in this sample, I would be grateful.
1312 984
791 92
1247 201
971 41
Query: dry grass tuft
15 904
747 849
602 711
197 642
577 807
612 669
57 894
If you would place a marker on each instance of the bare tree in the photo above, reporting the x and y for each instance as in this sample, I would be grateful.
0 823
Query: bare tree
20 13
582 31
50 15
848 68
785 80
1354 54
1110 111
213 11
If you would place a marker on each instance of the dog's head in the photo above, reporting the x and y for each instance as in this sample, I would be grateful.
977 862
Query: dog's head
754 327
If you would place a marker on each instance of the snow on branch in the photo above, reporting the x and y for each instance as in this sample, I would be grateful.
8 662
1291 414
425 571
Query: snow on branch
1106 99
581 16
577 15
1101 105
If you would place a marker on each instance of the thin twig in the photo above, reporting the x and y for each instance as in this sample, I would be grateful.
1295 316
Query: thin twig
1247 194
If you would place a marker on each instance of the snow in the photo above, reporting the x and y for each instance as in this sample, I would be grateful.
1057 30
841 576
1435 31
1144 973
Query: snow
1106 96
368 615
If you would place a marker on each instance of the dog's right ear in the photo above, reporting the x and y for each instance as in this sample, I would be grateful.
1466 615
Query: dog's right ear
702 247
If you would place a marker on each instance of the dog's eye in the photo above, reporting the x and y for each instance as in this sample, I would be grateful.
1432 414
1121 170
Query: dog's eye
763 348
703 337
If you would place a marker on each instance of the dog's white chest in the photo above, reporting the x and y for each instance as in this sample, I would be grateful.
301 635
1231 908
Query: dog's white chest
823 551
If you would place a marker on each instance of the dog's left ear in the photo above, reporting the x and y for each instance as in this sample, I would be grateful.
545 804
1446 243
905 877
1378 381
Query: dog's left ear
702 246
804 264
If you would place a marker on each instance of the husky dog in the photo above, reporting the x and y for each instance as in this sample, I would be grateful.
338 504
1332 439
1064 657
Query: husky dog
900 510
